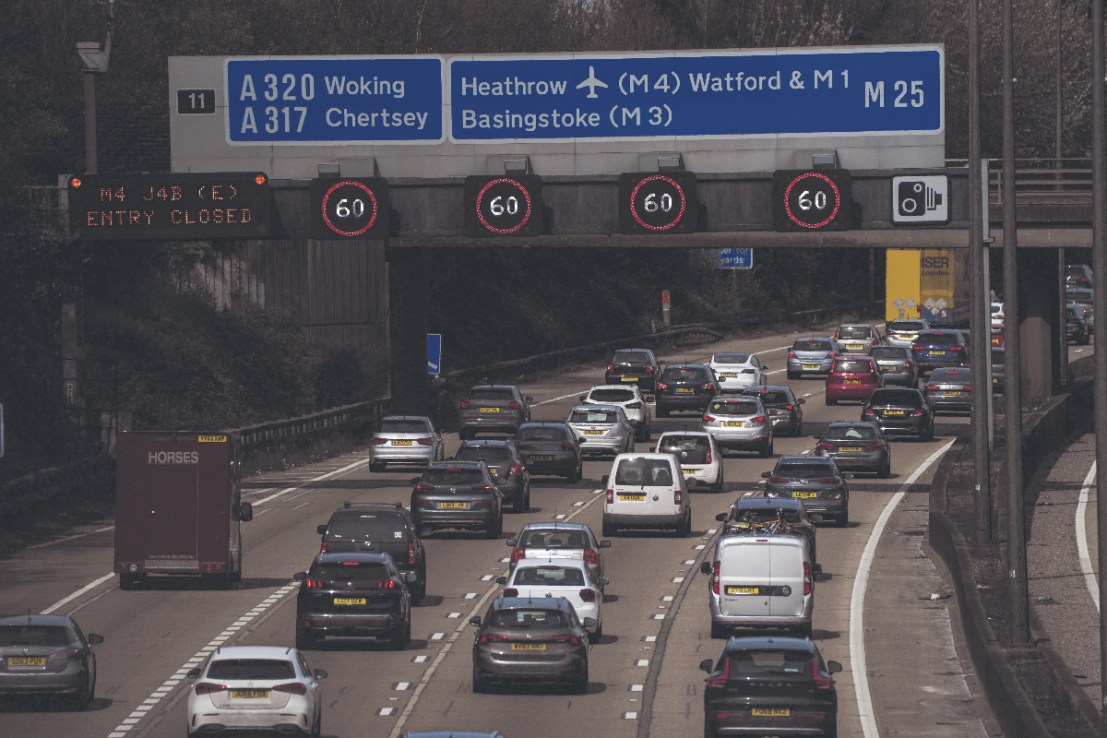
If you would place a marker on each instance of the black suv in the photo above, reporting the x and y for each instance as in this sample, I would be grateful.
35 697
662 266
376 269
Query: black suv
685 387
499 408
633 365
458 494
379 528
353 595
505 465
776 685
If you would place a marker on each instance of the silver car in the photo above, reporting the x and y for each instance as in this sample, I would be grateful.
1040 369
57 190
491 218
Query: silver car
629 397
904 332
410 440
810 355
559 540
739 423
604 429
857 338
47 655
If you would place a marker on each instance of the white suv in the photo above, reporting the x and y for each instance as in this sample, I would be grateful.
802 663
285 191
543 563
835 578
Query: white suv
629 397
701 462
646 491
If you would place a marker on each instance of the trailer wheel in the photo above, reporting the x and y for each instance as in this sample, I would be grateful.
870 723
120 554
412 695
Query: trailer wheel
130 581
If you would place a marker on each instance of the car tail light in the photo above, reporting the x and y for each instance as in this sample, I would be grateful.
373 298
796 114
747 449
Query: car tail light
759 420
708 419
378 441
791 354
825 445
634 405
386 584
518 554
823 683
291 688
514 405
662 386
677 496
707 457
931 387
918 412
313 584
967 388
489 637
917 347
610 496
587 595
424 441
806 578
210 688
649 368
590 556
511 592
571 639
907 365
789 407
956 348
774 479
709 386
831 355
828 480
465 405
610 367
323 546
421 488
567 446
719 682
715 577
515 468
868 411
874 446
411 553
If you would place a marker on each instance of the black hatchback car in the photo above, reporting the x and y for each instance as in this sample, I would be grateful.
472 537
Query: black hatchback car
900 410
498 408
772 686
504 464
688 387
379 528
782 405
551 447
457 494
353 595
633 365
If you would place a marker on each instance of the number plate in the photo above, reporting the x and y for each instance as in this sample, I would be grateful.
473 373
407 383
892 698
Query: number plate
541 457
855 346
687 472
528 646
593 432
26 661
685 390
732 590
402 443
937 352
953 393
349 600
804 495
453 505
493 470
733 423
631 498
728 375
811 367
250 694
628 379
490 409
895 412
850 449
775 712
852 381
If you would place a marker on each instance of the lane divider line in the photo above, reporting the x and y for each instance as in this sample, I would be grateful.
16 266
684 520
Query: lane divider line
1082 536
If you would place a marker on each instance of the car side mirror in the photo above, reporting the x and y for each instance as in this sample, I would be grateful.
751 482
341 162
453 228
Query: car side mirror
245 512
801 401
501 580
603 480
512 541
193 673
833 667
705 567
721 517
320 673
603 581
847 475
474 621
588 622
766 474
94 639
410 577
321 529
300 576
707 665
605 543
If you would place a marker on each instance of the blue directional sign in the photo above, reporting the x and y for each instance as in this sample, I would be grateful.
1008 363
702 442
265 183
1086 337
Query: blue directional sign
868 90
337 100
434 354
736 259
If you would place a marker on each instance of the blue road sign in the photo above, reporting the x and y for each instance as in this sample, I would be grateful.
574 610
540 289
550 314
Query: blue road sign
434 354
736 259
870 90
336 100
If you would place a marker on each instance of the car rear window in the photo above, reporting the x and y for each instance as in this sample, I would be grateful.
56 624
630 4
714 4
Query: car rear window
769 664
553 539
999 356
555 576
593 416
491 454
896 397
649 472
404 426
684 374
888 352
803 470
630 357
853 365
1079 295
259 669
812 344
765 514
850 433
457 477
854 331
501 395
373 526
541 434
772 398
723 407
612 395
906 326
350 571
949 375
731 358
690 449
939 339
33 635
528 618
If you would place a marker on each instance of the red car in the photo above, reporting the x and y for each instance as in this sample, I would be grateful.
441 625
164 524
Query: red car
852 377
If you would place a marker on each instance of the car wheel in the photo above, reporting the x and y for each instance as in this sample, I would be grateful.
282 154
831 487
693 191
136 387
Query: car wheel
317 726
520 503
685 528
306 641
401 637
843 519
662 412
580 684
718 486
830 401
717 631
885 470
496 528
480 685
766 450
797 430
377 466
929 435
465 434
130 581
609 530
419 590
804 631
793 375
574 476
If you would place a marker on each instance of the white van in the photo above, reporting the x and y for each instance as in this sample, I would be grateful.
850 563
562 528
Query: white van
760 582
646 491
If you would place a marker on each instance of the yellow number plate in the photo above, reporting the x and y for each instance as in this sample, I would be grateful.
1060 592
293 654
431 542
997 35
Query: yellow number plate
938 352
804 495
743 590
593 432
733 423
685 389
349 600
894 412
26 661
528 646
490 409
453 505
628 379
493 470
811 367
953 393
631 498
402 443
541 457
849 449
250 694
687 472
728 375
771 712
852 381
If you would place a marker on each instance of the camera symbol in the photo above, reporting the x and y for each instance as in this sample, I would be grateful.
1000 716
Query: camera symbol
916 198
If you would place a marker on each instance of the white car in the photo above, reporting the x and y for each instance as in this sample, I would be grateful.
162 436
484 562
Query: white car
646 491
604 429
268 688
736 371
568 578
997 317
701 461
629 397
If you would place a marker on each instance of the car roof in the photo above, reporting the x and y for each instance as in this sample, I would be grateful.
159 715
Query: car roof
646 455
456 464
555 525
405 417
760 643
629 387
362 557
252 652
850 424
37 619
697 433
370 507
449 734
516 603
853 357
493 386
535 563
593 407
804 459
487 443
767 503
767 387
545 424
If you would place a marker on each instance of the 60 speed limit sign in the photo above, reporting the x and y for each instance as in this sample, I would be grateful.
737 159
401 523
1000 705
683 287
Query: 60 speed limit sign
503 206
349 208
658 202
812 200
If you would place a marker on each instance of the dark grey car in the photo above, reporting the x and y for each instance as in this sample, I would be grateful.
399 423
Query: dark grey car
900 410
813 480
504 464
897 365
633 366
856 446
47 655
498 408
688 387
949 389
782 405
457 494
550 447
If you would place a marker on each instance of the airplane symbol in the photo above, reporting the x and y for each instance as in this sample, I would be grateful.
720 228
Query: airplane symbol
591 83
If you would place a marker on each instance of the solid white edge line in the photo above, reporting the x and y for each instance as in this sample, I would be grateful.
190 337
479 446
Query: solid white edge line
858 658
90 586
1082 537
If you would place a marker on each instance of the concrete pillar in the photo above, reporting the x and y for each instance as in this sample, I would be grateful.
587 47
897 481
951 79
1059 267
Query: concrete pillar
407 308
1039 304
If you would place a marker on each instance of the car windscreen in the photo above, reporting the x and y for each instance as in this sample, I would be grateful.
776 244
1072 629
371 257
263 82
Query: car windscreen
551 576
453 477
689 449
404 426
371 526
803 470
630 357
541 434
730 358
896 397
612 395
852 365
649 472
769 665
529 618
357 572
34 635
812 344
256 669
593 416
489 454
498 395
850 433
999 357
1079 295
722 407
889 352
